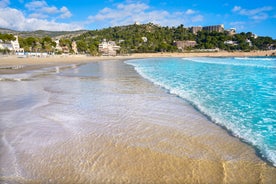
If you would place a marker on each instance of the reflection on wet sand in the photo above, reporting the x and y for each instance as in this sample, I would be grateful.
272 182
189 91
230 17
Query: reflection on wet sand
102 123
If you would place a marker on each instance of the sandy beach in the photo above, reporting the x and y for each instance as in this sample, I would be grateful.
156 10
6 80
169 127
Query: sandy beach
103 123
31 63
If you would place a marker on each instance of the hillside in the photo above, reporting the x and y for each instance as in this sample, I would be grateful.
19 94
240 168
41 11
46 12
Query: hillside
43 33
145 38
153 38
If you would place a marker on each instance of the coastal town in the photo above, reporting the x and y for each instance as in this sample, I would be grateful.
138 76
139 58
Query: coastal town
136 38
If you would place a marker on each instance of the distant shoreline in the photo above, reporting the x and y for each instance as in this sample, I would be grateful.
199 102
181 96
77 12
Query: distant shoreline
12 64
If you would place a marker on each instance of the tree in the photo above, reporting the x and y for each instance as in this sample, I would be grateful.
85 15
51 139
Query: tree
93 49
82 46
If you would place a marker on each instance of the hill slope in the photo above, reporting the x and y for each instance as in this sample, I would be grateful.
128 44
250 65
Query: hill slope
43 33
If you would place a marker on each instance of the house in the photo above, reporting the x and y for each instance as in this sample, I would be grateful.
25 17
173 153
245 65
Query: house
231 31
248 42
74 47
181 45
108 48
230 42
145 39
58 47
12 46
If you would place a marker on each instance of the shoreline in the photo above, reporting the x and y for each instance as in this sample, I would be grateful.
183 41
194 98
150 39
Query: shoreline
7 63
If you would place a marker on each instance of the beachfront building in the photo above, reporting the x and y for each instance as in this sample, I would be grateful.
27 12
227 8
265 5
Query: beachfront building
182 45
108 48
74 47
63 49
58 47
12 46
15 45
5 45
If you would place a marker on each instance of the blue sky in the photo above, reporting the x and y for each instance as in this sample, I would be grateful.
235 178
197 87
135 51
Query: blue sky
257 16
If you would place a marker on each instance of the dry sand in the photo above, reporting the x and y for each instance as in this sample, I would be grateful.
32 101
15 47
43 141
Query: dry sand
9 63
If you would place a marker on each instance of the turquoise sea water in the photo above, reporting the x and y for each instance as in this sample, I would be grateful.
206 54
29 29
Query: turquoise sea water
236 93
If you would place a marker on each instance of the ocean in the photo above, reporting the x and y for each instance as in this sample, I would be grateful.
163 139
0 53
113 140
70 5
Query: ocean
237 93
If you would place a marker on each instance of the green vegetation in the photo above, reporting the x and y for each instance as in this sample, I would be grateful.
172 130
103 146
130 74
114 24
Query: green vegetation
6 37
162 39
35 44
146 38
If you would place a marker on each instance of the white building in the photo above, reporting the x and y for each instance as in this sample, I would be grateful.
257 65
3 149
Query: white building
12 46
145 39
16 46
249 42
230 42
108 48
58 47
74 47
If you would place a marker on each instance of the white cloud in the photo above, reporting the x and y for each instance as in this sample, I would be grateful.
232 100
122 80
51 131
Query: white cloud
130 12
34 5
236 8
238 24
190 12
4 3
38 16
261 16
49 10
197 18
65 13
42 9
257 14
15 19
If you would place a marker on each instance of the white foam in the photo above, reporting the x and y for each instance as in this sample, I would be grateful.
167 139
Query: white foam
221 62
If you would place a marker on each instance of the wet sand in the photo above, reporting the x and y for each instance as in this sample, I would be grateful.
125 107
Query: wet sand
113 126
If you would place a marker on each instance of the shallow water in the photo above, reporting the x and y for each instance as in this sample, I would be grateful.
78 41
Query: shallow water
103 123
237 93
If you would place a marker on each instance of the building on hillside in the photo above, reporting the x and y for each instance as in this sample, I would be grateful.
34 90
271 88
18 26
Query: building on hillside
248 42
216 28
230 42
231 31
145 39
182 45
254 36
58 47
108 48
74 47
64 49
194 30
